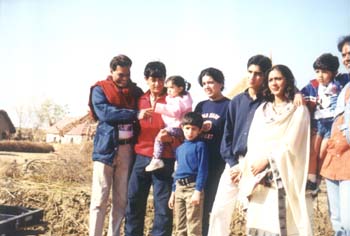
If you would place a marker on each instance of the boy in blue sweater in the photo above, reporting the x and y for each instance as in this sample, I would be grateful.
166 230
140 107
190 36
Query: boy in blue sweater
190 177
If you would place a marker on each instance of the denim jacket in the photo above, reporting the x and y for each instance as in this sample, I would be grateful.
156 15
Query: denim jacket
109 116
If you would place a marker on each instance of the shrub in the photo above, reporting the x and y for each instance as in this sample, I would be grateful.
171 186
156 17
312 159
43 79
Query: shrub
25 146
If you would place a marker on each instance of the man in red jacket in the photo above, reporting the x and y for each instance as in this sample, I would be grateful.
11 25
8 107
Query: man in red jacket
113 104
160 180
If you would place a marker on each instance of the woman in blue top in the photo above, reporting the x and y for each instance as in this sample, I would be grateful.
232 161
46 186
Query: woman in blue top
213 111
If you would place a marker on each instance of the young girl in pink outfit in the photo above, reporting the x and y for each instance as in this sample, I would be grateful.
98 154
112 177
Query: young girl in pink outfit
178 103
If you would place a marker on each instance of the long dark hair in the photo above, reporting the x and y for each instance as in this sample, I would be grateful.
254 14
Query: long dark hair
289 90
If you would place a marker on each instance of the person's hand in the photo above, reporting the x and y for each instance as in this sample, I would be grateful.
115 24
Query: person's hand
196 197
235 174
164 136
298 99
259 165
171 201
206 126
145 113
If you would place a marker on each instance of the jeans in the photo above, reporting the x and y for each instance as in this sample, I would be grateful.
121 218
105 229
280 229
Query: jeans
139 186
105 179
324 127
339 205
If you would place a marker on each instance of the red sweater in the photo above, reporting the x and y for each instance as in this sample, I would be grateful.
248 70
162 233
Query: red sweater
150 128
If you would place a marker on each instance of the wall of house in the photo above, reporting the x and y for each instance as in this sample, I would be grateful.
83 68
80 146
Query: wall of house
4 128
66 139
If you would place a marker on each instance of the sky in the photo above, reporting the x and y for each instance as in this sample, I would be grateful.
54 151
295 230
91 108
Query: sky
57 49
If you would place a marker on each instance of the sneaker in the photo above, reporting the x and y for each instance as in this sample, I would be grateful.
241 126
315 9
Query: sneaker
312 188
154 165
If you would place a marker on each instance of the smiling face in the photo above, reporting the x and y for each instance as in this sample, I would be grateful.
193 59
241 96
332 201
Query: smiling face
345 53
211 88
277 84
155 85
121 76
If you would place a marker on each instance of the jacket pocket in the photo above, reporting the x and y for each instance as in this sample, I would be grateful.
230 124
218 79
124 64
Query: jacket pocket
104 143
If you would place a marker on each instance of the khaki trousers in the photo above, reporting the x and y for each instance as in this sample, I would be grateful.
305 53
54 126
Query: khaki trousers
104 179
188 218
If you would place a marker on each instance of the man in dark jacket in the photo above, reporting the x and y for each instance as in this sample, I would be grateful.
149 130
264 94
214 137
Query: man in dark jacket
239 116
113 104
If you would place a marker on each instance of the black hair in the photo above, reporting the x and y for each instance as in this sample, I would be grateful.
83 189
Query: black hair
155 69
192 118
343 40
120 60
216 74
289 90
179 82
327 62
262 61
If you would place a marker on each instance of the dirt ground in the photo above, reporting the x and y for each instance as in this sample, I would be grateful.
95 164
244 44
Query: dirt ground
60 182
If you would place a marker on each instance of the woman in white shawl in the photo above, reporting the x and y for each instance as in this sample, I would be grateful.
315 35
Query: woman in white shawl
274 171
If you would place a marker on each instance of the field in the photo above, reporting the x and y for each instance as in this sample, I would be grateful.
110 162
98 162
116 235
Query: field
59 183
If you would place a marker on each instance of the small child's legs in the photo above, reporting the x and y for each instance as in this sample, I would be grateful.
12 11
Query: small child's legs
314 152
318 152
156 162
188 217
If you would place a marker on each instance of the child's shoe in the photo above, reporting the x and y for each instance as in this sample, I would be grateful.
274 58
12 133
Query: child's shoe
312 188
155 164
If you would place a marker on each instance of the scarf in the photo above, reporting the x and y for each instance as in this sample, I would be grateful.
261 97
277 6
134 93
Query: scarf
120 97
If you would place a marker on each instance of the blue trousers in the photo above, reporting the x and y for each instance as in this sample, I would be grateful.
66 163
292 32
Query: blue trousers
338 192
139 187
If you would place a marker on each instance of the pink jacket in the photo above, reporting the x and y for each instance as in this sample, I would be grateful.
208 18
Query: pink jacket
174 109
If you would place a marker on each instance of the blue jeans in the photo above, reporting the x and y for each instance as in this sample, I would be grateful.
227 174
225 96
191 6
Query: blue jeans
339 205
139 187
322 127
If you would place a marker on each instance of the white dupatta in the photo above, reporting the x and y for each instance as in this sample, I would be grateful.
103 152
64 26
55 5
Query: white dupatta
285 139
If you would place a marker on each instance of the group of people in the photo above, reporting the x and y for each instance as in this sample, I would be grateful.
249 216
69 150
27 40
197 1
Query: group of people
264 150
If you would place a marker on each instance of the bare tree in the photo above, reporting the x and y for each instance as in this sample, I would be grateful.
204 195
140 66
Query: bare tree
49 112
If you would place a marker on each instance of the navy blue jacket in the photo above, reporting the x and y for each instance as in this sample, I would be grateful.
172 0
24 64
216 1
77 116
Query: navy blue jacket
239 117
109 116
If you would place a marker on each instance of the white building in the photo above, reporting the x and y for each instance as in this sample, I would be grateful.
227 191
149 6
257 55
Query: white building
76 134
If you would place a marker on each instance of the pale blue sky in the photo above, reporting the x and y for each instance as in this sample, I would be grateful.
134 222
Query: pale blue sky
58 48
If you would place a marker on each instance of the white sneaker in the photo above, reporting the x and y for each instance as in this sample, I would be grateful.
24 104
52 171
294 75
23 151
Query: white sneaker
154 165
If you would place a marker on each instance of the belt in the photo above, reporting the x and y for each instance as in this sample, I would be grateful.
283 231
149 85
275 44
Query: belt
186 181
124 141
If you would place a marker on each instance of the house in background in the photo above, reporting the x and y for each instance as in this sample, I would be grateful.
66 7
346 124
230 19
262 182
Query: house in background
76 133
6 126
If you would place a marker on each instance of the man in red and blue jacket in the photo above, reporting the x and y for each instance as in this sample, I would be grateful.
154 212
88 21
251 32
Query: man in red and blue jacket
113 103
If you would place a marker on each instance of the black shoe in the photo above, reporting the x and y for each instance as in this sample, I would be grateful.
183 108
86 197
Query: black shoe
312 188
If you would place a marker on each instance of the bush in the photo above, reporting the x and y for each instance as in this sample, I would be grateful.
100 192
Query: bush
25 146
